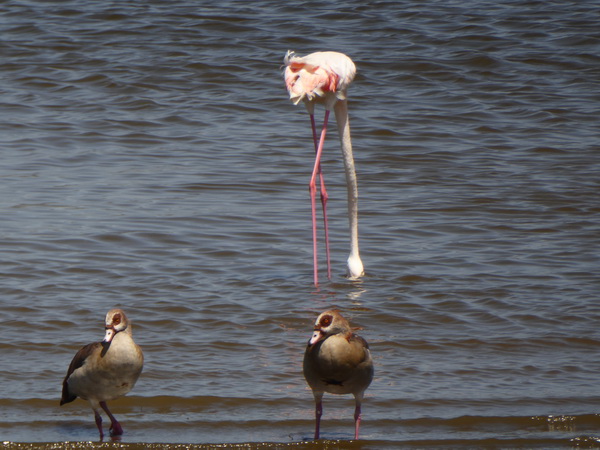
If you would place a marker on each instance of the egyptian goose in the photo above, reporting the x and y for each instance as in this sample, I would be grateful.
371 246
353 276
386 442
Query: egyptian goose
105 370
337 361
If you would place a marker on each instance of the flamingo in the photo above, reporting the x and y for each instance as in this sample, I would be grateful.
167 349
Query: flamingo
323 77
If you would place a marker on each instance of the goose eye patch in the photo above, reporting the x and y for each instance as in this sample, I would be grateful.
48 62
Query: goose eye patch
326 321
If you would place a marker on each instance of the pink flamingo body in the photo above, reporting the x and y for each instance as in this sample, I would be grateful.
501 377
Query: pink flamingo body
323 77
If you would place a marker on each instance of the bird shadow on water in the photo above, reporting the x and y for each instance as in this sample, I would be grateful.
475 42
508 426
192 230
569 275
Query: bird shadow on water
338 292
75 432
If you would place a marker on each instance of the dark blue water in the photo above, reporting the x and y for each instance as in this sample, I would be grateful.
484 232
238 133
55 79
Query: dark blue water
151 160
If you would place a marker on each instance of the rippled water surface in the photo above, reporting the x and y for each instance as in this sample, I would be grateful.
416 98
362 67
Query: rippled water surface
151 160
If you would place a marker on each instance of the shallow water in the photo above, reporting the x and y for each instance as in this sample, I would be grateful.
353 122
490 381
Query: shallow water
151 160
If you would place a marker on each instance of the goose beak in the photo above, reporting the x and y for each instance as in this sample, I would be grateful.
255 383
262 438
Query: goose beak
317 336
110 334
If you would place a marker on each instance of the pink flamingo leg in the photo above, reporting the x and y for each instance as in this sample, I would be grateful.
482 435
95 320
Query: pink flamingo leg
324 197
115 427
313 193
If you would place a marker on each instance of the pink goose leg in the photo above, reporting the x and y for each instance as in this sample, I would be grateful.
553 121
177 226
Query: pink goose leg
318 414
98 418
115 426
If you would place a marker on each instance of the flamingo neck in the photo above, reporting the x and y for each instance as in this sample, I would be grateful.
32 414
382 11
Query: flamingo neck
355 267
